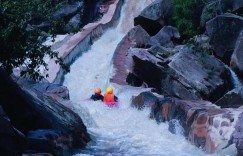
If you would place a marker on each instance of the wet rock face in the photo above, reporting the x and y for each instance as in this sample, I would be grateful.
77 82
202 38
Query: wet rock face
206 125
48 141
122 63
237 57
52 90
44 112
223 32
12 142
232 5
232 99
204 78
144 99
155 16
237 136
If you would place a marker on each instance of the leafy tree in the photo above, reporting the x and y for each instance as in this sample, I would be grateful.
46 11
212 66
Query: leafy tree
20 42
186 14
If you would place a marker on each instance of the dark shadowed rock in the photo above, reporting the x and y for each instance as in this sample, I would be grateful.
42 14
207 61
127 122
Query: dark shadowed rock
52 90
235 6
237 57
155 16
12 141
223 32
30 110
67 11
218 7
165 36
206 125
49 141
185 74
232 99
144 99
73 24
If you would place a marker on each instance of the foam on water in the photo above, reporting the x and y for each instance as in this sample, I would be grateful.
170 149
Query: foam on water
123 130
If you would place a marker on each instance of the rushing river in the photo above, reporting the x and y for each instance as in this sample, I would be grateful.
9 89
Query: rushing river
123 130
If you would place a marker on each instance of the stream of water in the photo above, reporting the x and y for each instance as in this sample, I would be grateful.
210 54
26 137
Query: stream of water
123 130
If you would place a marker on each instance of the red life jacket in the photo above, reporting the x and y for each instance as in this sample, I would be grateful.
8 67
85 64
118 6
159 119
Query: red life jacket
109 97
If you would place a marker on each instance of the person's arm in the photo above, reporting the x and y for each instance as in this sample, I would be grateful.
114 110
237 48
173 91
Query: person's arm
101 97
92 97
116 98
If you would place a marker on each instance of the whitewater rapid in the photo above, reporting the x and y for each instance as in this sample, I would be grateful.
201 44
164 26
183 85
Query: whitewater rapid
123 130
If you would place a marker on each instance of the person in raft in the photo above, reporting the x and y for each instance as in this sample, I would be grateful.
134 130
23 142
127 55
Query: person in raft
109 97
97 95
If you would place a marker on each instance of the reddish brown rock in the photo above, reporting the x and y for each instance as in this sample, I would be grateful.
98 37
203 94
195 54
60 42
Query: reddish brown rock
135 37
205 125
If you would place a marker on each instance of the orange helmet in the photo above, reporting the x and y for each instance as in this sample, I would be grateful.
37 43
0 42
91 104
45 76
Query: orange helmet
97 91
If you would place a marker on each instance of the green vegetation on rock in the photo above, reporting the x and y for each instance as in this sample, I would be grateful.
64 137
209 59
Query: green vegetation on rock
186 14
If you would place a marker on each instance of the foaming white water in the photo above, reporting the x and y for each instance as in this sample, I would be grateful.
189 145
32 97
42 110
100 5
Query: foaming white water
123 130
93 69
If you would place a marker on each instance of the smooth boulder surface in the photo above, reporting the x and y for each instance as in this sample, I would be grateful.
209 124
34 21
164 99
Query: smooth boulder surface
205 124
204 78
232 99
136 37
52 90
223 31
155 16
44 112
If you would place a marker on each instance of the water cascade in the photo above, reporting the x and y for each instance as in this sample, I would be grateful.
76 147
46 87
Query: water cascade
123 130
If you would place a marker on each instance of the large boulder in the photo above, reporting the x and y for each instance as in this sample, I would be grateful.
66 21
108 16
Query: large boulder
12 141
223 32
237 57
165 36
52 90
219 7
136 37
235 6
205 125
205 77
232 99
48 141
74 15
44 112
155 16
144 99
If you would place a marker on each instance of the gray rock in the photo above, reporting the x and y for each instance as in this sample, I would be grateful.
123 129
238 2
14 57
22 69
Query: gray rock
164 37
30 109
223 32
52 90
232 99
49 141
136 37
187 74
73 24
155 16
144 99
67 11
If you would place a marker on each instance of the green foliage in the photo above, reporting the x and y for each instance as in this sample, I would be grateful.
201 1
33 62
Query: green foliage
209 12
186 14
20 43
